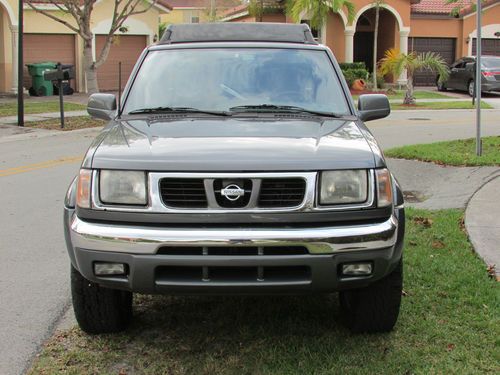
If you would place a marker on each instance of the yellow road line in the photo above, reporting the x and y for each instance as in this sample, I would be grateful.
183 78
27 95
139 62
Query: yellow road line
42 165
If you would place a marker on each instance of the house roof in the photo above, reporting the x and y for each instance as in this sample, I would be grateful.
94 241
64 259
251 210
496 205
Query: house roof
438 6
444 8
162 3
238 9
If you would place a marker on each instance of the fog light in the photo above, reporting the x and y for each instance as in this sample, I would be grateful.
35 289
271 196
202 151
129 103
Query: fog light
106 269
357 269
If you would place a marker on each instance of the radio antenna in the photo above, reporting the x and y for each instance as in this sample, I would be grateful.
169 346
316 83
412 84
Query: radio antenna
119 88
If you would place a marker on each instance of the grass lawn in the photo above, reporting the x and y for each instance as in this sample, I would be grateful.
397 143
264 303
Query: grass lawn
70 123
449 323
460 152
419 94
452 104
10 109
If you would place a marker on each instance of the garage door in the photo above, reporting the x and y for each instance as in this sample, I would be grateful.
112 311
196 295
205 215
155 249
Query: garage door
48 47
489 47
444 46
127 49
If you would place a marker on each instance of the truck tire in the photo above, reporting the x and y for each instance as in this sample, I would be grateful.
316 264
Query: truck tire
374 308
98 309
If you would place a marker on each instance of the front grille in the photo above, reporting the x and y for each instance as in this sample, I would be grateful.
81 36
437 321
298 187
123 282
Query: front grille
232 193
281 192
183 192
232 251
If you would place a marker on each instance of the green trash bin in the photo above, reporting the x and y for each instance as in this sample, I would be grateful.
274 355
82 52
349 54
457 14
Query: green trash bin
39 86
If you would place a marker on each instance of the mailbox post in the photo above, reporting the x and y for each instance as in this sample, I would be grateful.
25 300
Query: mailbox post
59 75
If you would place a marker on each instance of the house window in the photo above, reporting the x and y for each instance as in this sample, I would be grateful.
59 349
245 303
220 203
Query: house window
192 16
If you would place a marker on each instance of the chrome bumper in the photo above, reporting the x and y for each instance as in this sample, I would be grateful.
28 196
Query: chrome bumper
147 240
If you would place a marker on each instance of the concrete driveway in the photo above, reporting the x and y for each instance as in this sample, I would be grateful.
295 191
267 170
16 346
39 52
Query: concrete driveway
35 170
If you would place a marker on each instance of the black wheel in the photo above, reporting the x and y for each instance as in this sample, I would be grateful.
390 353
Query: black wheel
441 86
374 308
98 309
470 88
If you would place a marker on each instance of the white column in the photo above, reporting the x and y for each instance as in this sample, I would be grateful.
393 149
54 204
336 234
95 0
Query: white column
349 45
403 48
14 36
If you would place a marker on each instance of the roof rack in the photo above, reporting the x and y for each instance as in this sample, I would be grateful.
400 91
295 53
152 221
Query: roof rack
238 32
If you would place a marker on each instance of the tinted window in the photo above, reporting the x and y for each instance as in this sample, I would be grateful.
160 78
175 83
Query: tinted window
218 79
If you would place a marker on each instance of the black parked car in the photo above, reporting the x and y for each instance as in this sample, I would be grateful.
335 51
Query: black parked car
462 74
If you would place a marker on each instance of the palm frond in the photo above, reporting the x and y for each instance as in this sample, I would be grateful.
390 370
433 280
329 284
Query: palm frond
393 62
435 63
351 10
318 10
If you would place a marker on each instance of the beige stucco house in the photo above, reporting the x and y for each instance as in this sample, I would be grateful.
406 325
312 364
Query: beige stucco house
48 40
197 11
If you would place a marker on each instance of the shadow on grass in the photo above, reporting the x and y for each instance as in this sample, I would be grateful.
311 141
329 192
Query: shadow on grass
238 317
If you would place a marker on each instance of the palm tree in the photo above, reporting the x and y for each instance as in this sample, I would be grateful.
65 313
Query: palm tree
396 63
317 10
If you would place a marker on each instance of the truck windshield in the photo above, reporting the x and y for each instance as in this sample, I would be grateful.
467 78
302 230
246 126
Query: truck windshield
221 79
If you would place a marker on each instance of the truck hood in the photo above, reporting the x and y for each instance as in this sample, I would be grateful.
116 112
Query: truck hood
234 144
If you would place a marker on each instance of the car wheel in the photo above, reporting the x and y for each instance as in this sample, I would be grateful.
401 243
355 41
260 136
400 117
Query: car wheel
98 309
441 86
471 88
374 308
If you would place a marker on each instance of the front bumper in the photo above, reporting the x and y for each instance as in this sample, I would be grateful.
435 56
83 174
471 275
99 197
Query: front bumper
316 270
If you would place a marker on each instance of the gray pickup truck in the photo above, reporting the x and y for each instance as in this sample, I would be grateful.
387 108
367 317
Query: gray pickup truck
235 163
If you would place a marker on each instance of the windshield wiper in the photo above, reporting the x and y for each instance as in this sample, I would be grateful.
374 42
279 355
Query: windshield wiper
177 110
281 108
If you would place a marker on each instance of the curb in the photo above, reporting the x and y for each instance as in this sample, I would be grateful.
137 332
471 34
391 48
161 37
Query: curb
482 224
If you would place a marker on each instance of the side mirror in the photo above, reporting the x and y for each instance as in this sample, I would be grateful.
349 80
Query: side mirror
102 106
373 106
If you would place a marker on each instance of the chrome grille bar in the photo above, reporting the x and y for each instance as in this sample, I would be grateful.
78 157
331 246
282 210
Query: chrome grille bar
155 204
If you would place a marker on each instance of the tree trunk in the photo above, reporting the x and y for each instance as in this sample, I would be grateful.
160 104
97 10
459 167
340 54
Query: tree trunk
89 68
409 98
375 47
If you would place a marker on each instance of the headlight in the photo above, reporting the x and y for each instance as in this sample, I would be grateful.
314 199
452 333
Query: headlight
344 187
122 187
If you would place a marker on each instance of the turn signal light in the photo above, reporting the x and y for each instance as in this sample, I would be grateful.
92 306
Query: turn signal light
384 187
83 188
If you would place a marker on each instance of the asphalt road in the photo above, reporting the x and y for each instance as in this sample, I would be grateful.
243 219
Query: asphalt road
37 167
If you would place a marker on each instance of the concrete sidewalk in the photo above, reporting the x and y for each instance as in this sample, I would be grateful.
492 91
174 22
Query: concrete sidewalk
482 221
12 120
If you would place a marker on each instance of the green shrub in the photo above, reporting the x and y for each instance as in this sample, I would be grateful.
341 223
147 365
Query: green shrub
353 74
353 65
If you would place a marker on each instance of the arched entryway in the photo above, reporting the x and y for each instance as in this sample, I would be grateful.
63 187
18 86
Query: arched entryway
388 35
8 48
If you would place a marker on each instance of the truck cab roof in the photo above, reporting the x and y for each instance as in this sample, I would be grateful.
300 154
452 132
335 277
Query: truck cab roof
238 32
